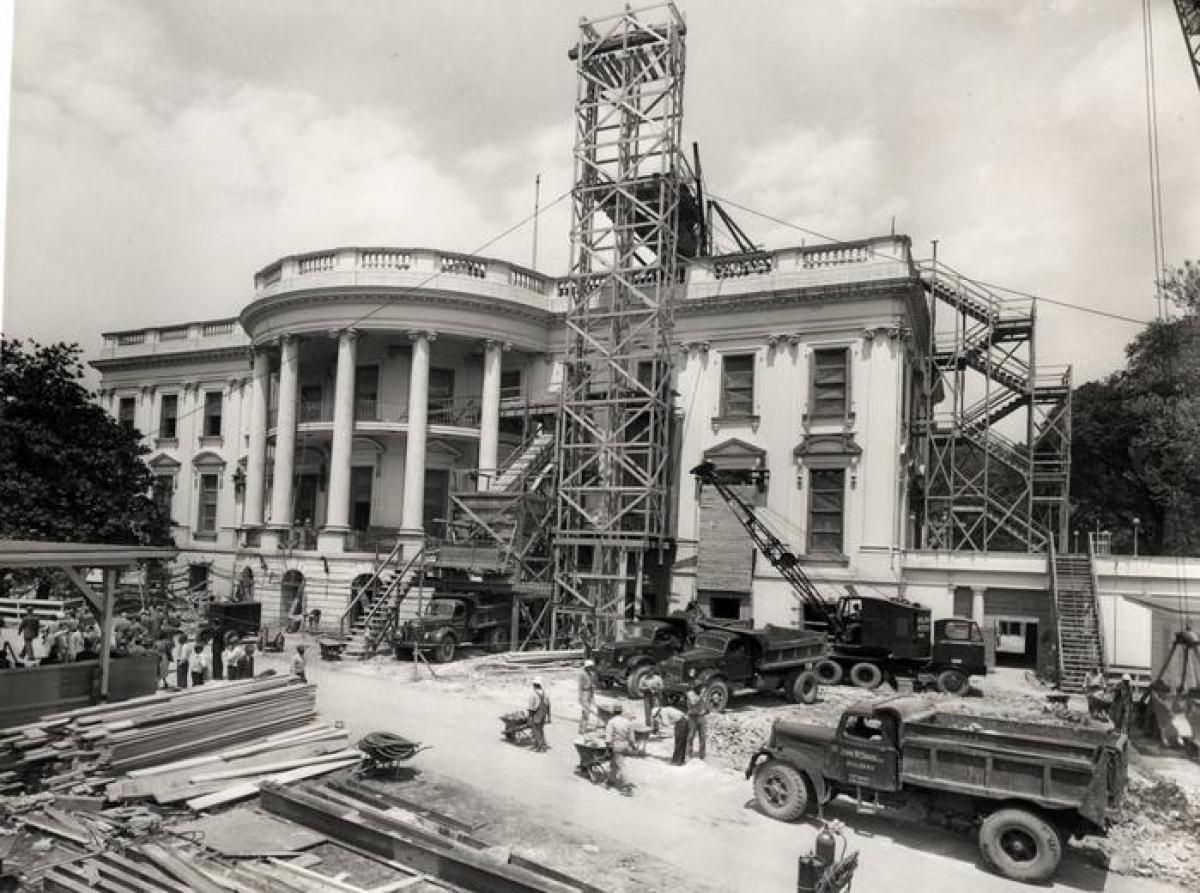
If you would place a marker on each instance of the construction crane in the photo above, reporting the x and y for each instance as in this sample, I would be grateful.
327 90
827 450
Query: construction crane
872 639
1189 24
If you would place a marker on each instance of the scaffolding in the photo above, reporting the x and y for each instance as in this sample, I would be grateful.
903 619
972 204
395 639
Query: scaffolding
997 428
634 223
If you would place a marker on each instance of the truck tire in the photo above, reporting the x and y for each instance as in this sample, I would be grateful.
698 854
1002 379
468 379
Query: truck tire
952 682
716 695
444 652
830 672
633 681
782 792
865 675
803 688
1020 845
497 639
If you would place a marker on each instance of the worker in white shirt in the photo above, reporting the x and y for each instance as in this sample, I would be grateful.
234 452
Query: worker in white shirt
199 663
621 740
671 717
182 656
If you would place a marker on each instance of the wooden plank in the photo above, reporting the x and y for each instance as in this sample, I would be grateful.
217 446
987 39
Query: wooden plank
250 788
269 768
173 865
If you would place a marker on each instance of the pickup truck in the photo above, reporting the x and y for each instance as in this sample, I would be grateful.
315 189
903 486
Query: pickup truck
1026 785
728 661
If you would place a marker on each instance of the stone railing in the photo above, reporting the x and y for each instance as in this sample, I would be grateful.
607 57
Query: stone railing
206 335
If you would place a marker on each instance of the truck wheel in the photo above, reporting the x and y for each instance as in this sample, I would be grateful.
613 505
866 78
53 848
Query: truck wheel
866 676
1020 845
830 672
444 653
634 680
952 682
803 688
716 695
497 639
781 791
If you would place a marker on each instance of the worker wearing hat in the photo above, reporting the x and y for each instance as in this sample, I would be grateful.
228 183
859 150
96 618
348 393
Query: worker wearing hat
587 694
1121 710
539 715
620 737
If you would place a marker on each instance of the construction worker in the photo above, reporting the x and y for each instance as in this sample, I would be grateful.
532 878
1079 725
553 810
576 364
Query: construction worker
298 668
29 627
199 663
587 694
620 737
1095 688
1121 710
677 720
182 655
539 715
697 714
651 686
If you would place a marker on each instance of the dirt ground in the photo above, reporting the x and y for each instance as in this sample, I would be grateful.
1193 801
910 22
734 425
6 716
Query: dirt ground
695 827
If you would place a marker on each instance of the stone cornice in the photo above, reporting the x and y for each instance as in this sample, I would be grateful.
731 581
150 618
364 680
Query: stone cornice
146 361
399 297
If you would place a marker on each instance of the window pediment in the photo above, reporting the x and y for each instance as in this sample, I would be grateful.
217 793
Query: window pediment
163 464
208 459
736 453
828 450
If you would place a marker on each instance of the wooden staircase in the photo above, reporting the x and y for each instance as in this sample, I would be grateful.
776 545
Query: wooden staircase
372 613
1080 636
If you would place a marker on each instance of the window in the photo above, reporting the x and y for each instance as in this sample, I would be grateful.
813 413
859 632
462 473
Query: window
441 395
162 493
206 522
831 390
127 413
826 508
1010 628
168 417
961 631
366 393
510 384
737 385
213 403
725 607
310 403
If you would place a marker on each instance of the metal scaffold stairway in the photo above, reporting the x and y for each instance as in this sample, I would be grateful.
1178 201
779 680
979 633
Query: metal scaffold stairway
997 427
373 611
1081 643
633 224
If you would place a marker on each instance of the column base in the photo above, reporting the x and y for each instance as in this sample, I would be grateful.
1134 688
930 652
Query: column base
332 539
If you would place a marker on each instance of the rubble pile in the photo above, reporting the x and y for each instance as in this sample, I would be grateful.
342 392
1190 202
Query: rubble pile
1157 834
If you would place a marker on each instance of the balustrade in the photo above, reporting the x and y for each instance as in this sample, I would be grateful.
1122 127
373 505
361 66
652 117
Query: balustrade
211 329
316 263
462 265
177 333
384 259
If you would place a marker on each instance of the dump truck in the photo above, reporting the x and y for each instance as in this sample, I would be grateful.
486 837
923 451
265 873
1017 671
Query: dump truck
1025 786
726 662
873 639
449 621
646 643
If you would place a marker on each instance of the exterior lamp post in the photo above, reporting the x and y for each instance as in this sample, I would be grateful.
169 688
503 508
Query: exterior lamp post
1137 523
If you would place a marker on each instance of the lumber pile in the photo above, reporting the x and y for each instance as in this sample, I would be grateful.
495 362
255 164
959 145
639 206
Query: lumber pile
227 728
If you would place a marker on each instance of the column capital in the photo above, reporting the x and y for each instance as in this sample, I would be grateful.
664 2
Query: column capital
492 343
348 334
415 335
286 339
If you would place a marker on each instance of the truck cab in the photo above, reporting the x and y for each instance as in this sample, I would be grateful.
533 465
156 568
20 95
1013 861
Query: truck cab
645 643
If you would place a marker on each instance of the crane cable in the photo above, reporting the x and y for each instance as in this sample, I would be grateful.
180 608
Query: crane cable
1156 214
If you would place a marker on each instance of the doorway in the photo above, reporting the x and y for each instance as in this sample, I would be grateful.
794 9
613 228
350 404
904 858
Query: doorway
437 500
362 479
305 514
291 588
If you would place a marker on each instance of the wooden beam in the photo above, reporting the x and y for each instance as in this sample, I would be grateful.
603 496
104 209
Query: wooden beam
106 629
85 589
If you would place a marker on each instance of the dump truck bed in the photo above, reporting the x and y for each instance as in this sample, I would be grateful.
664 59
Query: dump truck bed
781 647
1055 766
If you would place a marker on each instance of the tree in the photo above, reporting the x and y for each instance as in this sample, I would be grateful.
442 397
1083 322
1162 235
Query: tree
68 470
1136 435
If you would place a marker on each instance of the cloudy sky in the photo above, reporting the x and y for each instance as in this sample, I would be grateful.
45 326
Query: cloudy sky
161 151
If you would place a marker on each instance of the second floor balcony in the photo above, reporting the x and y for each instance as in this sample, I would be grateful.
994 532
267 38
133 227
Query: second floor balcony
371 413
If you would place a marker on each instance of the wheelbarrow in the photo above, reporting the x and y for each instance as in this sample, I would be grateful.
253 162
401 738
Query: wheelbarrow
594 757
385 753
331 649
517 728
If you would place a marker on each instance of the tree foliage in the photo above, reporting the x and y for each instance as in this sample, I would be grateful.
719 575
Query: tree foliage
1136 435
68 470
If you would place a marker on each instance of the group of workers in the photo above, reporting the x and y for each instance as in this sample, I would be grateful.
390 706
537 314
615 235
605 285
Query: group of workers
689 725
1112 704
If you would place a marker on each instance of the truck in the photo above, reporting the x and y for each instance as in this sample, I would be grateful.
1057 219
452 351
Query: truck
873 639
726 661
1024 786
449 621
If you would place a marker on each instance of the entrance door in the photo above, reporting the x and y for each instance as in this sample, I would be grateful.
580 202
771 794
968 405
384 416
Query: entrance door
361 480
306 501
437 500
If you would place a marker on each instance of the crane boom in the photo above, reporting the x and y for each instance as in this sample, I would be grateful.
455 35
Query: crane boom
781 557
1189 22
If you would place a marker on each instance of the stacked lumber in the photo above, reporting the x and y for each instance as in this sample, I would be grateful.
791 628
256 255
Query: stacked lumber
85 750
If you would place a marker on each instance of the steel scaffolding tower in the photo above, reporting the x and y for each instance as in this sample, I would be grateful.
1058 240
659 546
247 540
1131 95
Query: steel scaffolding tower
614 431
997 431
1189 22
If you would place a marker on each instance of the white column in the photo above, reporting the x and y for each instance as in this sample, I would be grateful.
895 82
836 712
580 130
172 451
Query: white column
418 414
146 412
489 414
285 433
256 461
337 514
